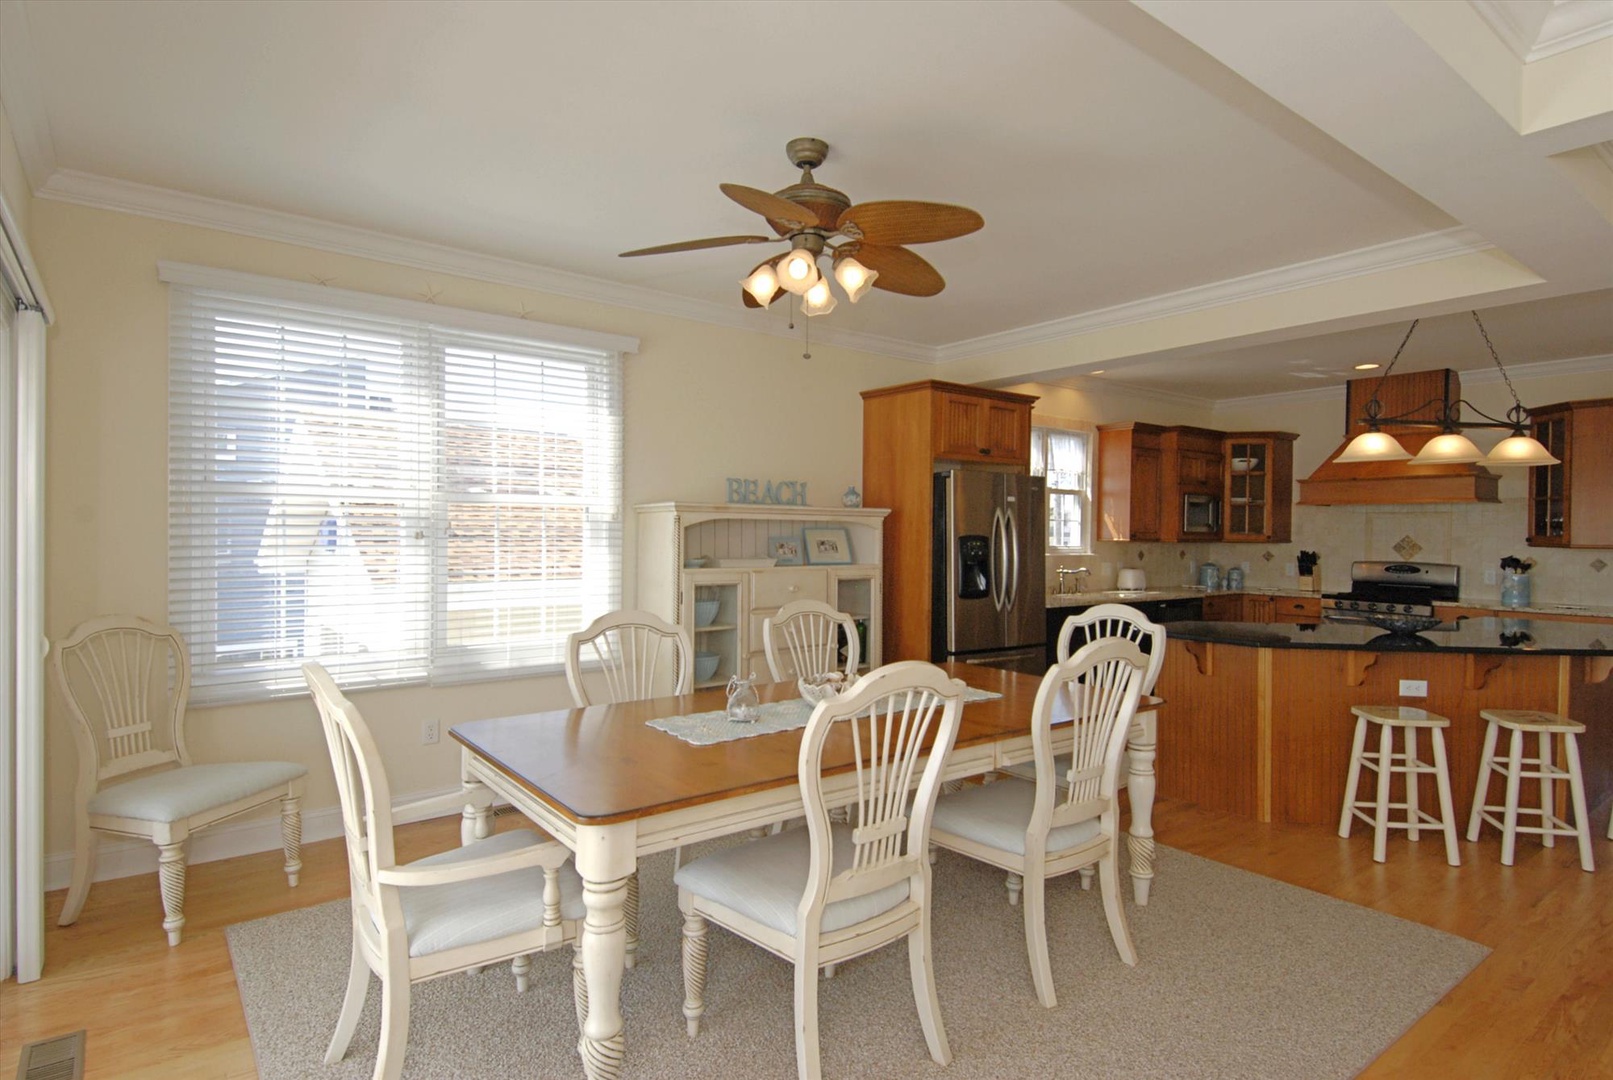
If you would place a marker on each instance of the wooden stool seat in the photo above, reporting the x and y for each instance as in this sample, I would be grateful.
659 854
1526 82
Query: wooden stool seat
1516 767
1386 762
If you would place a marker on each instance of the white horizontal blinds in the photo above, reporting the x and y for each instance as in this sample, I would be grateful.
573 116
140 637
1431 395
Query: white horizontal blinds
396 500
529 494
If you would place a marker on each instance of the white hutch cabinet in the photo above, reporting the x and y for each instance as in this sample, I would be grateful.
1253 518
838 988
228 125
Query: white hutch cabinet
730 543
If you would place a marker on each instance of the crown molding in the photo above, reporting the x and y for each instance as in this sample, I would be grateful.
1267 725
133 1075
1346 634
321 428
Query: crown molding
25 109
144 200
1563 25
1112 386
1427 247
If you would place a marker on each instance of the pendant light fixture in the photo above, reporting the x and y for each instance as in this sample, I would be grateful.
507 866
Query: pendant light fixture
1450 446
798 271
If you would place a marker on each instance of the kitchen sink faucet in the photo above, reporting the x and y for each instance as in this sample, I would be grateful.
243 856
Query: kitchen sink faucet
1077 573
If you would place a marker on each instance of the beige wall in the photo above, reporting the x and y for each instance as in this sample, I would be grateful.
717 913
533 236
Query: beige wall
702 403
19 196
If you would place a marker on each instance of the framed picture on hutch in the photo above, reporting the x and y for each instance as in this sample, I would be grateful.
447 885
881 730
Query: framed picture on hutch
826 546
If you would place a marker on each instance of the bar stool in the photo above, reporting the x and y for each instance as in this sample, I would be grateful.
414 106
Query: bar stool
1386 762
1545 724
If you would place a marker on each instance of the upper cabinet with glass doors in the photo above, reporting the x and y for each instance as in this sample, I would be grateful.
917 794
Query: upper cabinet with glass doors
1571 503
1259 487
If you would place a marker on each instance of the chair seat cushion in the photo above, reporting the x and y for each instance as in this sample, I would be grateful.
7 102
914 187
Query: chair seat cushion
997 815
765 879
441 917
184 792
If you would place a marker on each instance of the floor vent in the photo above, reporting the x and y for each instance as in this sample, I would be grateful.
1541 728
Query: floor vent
505 810
61 1058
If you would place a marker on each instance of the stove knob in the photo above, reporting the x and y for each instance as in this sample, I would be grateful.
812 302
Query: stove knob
1372 607
1406 608
1355 605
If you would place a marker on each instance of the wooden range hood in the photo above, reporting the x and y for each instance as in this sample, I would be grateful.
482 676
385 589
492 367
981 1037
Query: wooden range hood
1393 483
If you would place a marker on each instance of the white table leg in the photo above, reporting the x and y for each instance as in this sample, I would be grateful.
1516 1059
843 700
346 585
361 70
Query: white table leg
1140 783
476 819
606 858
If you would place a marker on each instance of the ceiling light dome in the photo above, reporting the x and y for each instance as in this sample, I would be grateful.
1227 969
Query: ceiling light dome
1450 448
1373 446
1520 449
818 299
763 284
854 277
798 271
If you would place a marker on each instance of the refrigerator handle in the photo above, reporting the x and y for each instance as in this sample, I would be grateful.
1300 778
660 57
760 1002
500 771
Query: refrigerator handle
999 538
1012 527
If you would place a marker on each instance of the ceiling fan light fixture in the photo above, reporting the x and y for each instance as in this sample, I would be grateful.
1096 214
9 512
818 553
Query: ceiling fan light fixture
1450 448
1373 446
798 272
818 299
1520 449
763 284
854 277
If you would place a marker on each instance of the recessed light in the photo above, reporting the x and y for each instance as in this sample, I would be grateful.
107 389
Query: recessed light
1098 372
1367 367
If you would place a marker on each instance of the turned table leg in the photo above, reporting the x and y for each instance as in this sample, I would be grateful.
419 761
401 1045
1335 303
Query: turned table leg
606 860
1140 783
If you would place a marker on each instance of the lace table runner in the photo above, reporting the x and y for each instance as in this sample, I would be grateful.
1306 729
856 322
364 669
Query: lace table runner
707 728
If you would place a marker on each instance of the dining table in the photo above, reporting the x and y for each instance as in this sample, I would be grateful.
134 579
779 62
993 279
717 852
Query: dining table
613 788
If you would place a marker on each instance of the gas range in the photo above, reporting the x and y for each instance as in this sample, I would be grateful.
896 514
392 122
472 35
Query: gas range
1392 590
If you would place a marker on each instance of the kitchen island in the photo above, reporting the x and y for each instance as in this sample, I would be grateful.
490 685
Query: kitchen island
1258 719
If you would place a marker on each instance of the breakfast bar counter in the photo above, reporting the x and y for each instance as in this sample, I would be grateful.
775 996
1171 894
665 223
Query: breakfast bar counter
1260 722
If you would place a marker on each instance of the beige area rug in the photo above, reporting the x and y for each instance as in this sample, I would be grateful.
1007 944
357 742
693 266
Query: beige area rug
1239 976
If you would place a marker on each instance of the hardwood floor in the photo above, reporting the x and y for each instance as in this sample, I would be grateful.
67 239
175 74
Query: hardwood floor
1540 1006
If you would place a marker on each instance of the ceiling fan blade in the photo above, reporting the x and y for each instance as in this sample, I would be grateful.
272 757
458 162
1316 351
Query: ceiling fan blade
744 293
770 206
696 245
906 222
900 271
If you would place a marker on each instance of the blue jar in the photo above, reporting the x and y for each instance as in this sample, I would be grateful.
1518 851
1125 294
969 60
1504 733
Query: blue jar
1514 590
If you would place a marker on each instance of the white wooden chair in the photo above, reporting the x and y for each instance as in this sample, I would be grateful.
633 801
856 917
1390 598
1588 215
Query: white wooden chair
1068 817
491 900
831 892
126 681
804 639
636 651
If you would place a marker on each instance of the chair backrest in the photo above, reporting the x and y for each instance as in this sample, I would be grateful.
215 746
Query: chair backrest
126 681
366 799
804 639
884 721
1106 678
633 649
1121 621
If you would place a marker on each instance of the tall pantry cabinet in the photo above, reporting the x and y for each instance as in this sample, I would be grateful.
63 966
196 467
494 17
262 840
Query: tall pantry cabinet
910 432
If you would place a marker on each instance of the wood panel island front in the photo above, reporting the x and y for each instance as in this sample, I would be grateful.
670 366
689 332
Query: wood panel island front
1258 722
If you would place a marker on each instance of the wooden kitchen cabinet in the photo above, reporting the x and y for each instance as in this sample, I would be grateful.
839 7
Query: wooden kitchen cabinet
1223 607
908 432
1571 504
1191 463
1297 609
1259 500
1131 481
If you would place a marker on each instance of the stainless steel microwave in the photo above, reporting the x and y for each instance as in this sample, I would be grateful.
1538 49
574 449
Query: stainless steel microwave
1201 513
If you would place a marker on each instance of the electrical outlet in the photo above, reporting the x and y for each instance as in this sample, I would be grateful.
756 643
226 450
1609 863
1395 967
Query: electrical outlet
1290 570
430 731
1489 575
1413 687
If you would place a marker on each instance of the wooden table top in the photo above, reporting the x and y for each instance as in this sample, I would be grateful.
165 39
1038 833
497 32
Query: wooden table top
605 764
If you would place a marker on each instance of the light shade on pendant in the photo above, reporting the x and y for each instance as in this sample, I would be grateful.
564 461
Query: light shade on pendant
1373 446
1520 449
798 271
818 299
762 284
1451 448
854 277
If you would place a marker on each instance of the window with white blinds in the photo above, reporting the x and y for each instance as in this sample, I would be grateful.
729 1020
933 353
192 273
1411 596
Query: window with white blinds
1065 458
398 499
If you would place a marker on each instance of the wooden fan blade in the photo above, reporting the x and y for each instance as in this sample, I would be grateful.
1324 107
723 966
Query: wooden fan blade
905 222
744 293
770 206
900 271
696 245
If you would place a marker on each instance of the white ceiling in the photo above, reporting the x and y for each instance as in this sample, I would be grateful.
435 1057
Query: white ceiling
1123 155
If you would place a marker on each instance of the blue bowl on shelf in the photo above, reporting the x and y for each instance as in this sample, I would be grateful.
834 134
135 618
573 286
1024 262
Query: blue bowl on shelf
705 612
705 666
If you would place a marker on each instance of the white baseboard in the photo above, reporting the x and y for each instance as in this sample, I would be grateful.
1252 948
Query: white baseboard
126 858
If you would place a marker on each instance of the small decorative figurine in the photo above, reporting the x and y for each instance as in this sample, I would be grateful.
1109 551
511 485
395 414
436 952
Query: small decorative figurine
852 498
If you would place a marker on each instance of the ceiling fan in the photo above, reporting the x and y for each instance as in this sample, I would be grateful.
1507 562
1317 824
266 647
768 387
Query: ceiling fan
809 215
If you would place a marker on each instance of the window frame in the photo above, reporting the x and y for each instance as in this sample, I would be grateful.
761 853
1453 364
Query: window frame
1042 428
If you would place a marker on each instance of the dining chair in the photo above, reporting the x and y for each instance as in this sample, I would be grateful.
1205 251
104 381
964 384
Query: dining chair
1069 816
640 655
501 898
127 682
833 891
803 639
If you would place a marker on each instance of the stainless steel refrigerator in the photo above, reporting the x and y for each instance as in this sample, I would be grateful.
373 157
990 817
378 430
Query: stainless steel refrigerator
988 574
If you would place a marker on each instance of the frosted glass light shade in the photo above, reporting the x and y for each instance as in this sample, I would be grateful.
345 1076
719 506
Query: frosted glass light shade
762 284
1520 450
854 277
818 299
1373 446
798 272
1451 448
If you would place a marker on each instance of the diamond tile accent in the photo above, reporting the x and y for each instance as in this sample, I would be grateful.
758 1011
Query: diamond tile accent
1268 556
1407 548
1598 565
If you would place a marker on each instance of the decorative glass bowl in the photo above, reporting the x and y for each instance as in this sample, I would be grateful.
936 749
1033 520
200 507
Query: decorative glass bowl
705 666
816 688
705 612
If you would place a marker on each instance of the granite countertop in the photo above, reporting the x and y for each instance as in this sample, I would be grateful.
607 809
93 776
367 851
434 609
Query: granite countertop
1184 592
1547 637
